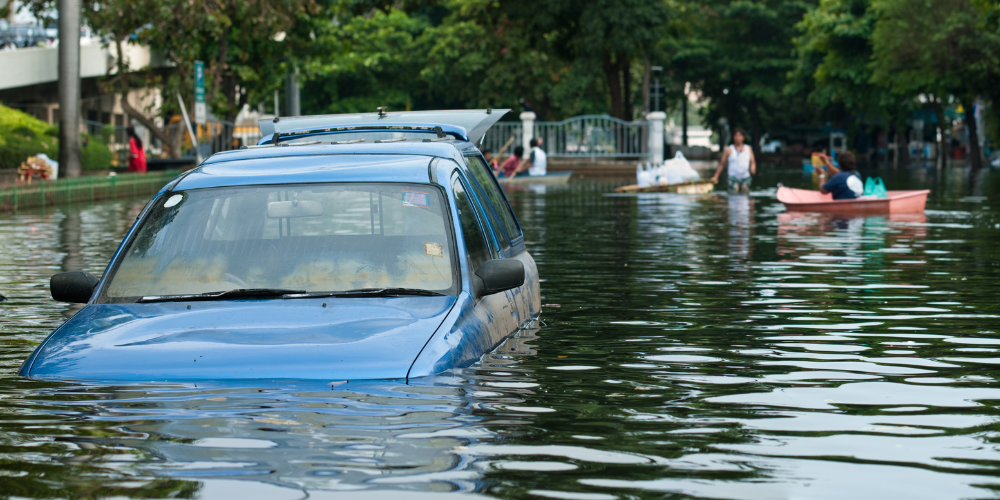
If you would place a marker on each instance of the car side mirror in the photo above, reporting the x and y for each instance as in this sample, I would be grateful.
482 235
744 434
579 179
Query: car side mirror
73 286
500 274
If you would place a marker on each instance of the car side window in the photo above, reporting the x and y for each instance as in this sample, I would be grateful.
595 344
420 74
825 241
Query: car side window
475 241
482 173
490 217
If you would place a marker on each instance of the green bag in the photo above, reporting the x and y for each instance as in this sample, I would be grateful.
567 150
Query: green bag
875 187
870 186
880 191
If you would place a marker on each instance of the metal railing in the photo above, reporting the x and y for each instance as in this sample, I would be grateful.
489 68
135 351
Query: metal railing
89 188
587 136
499 134
594 136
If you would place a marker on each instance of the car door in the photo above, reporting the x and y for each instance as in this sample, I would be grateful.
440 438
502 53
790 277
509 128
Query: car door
525 301
493 315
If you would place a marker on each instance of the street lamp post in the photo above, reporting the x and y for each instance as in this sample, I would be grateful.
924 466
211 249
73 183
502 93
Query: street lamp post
656 88
69 87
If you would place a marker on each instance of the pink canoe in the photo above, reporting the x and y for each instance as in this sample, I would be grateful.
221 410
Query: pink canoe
898 202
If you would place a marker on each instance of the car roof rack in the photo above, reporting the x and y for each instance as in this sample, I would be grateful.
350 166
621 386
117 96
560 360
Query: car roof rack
475 122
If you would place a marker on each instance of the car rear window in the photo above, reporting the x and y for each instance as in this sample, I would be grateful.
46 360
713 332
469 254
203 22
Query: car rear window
312 237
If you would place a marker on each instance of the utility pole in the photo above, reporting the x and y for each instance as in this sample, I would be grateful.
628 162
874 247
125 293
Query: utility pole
69 87
293 106
684 116
657 88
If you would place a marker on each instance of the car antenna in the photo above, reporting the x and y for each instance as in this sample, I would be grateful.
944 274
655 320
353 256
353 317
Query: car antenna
489 111
382 111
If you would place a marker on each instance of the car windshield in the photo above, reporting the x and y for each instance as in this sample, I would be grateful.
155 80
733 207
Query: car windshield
303 238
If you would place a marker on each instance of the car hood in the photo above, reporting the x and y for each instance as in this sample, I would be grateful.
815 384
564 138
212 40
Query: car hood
327 339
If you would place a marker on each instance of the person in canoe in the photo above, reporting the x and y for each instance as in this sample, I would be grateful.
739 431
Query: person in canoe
741 162
535 163
845 182
509 167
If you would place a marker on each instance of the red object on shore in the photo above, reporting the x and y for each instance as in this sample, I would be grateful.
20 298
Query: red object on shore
897 202
136 157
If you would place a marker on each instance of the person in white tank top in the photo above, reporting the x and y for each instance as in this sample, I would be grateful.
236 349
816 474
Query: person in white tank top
740 161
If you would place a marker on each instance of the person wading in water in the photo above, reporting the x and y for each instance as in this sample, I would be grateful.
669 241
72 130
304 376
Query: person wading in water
742 165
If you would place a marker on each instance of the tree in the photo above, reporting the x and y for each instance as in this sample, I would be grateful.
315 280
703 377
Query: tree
550 53
939 47
738 56
834 70
246 46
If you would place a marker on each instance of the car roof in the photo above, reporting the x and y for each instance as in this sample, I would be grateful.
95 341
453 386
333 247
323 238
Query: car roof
471 124
388 162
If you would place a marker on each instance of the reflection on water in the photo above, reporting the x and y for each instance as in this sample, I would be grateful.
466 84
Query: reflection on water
712 346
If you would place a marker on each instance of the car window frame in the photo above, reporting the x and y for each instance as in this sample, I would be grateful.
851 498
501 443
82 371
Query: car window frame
514 241
493 254
500 237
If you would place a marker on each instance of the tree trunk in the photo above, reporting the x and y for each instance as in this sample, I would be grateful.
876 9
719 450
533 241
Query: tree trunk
148 123
613 75
756 127
684 117
614 85
895 146
939 113
975 154
646 76
625 67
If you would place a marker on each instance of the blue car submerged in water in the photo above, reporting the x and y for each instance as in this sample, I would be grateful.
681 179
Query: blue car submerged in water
342 247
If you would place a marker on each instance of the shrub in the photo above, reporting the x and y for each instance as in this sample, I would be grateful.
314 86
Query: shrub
22 135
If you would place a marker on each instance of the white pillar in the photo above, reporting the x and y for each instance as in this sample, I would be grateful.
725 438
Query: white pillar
527 129
655 120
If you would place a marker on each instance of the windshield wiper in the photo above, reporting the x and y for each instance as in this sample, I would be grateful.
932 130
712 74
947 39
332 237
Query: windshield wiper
240 293
378 292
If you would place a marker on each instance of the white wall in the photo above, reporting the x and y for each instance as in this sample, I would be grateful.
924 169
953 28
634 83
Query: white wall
33 66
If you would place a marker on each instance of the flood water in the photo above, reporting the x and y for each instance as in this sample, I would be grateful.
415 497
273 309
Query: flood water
690 346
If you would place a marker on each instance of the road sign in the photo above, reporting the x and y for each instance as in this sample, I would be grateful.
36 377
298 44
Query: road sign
200 110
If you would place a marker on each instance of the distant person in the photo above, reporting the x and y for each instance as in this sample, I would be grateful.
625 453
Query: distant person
741 163
536 163
509 167
492 162
136 155
845 182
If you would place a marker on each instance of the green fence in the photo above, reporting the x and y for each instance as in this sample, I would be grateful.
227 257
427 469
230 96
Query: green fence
93 188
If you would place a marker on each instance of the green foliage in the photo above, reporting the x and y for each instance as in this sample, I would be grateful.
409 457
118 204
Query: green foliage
737 53
22 136
956 49
366 61
835 51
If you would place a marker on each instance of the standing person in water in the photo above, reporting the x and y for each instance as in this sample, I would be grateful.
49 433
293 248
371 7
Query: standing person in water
136 155
741 162
845 182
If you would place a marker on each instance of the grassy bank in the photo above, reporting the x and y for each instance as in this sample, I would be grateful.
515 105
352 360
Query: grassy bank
22 135
95 188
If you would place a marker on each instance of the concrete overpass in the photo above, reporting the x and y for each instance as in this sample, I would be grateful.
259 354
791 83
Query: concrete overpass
29 76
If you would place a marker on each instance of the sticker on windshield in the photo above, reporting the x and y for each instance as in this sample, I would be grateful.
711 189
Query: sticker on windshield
416 199
434 249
